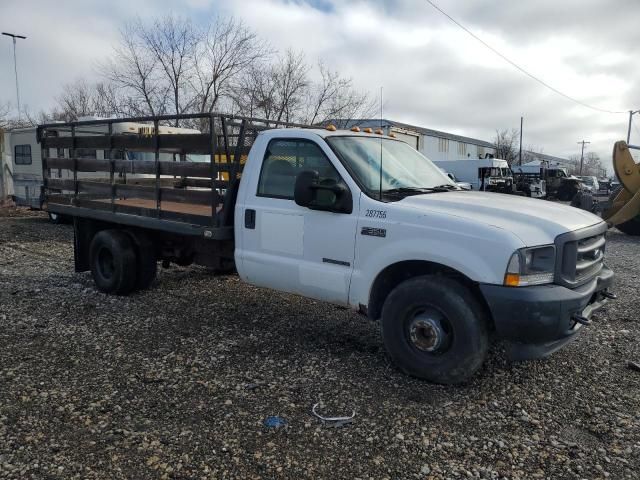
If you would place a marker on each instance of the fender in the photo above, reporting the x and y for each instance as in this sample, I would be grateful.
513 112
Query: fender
481 253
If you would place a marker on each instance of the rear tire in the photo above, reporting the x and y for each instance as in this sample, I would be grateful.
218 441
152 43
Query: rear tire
113 262
434 328
146 260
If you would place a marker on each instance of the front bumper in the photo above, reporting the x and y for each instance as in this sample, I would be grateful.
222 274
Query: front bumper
538 320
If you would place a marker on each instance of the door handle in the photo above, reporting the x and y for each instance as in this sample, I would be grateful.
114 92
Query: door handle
250 218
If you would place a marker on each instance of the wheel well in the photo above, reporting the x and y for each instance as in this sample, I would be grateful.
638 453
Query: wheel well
86 229
395 274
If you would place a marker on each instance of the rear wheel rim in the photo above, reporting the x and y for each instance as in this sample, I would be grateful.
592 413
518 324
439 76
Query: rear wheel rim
429 331
105 263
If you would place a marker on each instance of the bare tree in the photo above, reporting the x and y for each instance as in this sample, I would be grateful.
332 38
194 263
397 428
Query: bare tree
172 66
135 71
5 110
255 93
335 98
291 82
153 65
592 165
80 99
284 91
172 42
8 121
505 143
275 92
228 49
76 100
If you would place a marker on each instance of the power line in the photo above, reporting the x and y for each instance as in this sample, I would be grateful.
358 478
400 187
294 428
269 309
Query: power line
518 66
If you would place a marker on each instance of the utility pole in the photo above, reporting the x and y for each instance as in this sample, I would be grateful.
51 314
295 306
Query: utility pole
631 114
582 154
520 154
15 67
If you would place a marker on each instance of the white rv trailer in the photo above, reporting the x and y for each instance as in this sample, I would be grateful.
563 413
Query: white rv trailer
6 183
489 174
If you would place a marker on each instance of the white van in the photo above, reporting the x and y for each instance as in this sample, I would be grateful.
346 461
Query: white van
487 174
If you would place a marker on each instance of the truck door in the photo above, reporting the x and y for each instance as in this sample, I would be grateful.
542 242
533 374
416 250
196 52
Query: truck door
288 247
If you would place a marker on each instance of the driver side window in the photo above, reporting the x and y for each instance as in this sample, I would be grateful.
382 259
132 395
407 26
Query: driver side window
284 159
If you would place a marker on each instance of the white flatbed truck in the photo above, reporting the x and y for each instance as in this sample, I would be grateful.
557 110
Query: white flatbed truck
348 217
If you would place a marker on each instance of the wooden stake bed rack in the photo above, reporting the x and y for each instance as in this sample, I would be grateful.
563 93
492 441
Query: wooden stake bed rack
177 173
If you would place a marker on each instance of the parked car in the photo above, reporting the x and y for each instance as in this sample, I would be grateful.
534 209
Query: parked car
462 185
590 183
605 185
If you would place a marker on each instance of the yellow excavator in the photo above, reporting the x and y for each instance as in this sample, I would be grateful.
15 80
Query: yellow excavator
623 210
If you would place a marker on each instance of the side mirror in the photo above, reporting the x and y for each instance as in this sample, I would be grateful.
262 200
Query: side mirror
327 195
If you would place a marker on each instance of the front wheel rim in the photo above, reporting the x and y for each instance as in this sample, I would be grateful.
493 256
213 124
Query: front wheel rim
429 331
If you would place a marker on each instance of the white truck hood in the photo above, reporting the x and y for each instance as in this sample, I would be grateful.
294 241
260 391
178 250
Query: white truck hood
534 221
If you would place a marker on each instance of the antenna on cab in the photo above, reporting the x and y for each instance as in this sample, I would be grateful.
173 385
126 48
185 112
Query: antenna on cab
381 120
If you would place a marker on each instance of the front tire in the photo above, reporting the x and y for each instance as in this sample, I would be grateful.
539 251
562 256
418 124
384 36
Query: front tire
434 328
113 262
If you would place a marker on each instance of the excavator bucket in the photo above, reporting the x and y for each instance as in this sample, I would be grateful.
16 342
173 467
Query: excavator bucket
624 210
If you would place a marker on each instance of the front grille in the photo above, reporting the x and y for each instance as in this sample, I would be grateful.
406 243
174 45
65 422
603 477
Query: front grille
589 257
580 255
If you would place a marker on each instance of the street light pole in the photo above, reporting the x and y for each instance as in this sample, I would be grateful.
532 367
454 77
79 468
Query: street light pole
15 67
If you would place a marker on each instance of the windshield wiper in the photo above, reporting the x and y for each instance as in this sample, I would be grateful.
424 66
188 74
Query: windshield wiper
407 191
447 186
418 190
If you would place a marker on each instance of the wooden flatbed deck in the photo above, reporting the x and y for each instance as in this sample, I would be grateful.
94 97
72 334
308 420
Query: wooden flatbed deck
175 207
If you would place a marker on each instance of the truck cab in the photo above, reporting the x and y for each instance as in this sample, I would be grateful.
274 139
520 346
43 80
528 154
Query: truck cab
366 221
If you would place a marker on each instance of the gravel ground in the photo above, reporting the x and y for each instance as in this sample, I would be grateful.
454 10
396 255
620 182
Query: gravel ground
175 382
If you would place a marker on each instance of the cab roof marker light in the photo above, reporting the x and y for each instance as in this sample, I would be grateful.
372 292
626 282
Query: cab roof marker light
379 131
331 128
367 130
355 129
392 135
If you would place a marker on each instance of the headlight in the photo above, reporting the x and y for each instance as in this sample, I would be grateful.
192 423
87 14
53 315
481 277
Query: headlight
531 266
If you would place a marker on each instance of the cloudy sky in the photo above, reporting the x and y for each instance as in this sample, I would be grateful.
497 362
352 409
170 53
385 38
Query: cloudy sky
433 73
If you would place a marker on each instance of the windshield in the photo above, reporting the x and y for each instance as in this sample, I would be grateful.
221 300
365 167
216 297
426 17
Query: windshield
402 165
490 172
587 180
